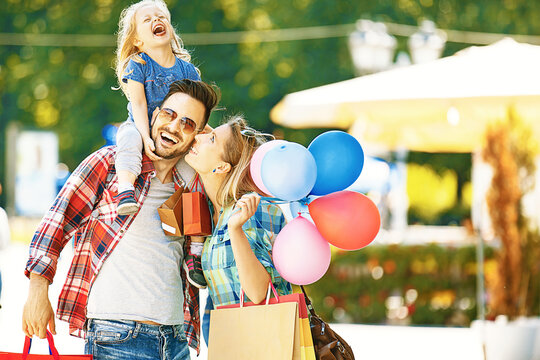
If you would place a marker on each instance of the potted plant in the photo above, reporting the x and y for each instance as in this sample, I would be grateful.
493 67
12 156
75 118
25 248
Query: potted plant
513 289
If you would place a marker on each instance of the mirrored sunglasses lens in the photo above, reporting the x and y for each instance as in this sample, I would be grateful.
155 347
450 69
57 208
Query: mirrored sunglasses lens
189 126
168 114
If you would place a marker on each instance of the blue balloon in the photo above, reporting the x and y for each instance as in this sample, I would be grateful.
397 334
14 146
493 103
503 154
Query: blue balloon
340 159
289 171
298 208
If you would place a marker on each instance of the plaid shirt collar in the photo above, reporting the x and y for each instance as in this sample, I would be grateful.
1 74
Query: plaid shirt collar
148 167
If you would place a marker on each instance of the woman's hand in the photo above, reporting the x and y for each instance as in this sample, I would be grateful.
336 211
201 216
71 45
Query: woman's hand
244 209
149 149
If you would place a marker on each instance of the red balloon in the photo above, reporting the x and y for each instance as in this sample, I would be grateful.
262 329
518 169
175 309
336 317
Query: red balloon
346 219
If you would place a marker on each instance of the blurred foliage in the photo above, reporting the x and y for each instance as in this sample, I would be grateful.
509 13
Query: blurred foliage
511 150
423 285
430 194
439 188
68 89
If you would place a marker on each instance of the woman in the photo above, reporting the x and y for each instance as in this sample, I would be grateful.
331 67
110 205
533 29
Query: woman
238 255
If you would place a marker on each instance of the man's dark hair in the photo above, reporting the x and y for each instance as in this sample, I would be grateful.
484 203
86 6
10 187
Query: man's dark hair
207 94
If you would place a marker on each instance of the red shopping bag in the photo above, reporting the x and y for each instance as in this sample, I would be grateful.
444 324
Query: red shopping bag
196 213
52 350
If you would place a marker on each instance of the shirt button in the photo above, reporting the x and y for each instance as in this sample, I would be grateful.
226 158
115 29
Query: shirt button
95 213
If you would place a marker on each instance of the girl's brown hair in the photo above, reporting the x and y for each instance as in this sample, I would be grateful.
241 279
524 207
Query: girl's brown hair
238 152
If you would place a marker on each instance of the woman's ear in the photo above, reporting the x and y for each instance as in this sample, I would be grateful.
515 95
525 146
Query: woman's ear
224 168
138 43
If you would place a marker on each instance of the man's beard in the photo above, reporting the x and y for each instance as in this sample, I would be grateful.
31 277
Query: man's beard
170 155
167 153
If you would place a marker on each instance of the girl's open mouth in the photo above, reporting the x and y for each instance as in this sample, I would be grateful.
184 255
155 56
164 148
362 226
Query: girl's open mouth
159 30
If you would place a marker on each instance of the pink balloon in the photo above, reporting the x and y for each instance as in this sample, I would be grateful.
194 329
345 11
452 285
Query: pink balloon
256 161
301 255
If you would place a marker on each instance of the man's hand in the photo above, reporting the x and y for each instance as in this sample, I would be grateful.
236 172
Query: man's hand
149 149
38 312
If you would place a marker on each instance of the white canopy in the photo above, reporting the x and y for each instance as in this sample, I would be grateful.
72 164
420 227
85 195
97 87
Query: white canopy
441 106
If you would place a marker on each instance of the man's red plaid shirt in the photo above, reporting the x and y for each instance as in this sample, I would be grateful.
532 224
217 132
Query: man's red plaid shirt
85 210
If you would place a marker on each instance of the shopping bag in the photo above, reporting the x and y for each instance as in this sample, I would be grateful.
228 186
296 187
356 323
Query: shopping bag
170 213
259 332
307 349
328 345
265 331
52 350
196 214
307 352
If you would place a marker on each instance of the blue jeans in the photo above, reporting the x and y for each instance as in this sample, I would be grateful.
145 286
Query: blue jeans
129 340
206 318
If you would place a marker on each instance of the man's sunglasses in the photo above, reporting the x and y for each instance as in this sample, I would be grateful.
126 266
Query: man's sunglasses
188 126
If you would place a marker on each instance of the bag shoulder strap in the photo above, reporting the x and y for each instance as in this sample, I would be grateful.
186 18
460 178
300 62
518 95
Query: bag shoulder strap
308 302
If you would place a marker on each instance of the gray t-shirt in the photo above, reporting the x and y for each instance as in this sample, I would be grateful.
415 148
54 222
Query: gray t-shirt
140 280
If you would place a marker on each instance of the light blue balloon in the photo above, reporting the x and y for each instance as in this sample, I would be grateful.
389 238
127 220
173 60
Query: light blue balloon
289 171
300 207
340 159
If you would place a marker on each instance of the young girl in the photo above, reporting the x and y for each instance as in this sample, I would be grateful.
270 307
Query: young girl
238 255
150 56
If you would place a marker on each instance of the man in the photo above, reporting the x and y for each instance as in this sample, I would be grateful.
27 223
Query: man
125 287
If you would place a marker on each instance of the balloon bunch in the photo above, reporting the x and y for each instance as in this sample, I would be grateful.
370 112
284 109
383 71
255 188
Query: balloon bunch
315 178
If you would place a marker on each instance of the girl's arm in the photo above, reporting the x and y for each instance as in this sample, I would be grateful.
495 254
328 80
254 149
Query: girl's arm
139 109
253 276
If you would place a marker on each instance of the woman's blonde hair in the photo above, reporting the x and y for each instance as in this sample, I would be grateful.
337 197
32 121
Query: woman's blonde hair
127 30
238 152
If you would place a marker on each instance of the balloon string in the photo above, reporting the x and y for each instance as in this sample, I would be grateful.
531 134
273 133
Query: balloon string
303 201
274 200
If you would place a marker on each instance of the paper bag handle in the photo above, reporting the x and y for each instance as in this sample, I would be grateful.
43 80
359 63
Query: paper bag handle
270 286
52 348
196 182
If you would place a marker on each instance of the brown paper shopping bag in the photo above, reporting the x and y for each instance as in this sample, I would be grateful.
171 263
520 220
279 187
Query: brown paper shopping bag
307 351
52 349
170 213
265 332
261 324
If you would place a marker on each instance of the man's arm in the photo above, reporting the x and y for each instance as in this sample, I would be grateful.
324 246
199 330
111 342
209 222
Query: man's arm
72 207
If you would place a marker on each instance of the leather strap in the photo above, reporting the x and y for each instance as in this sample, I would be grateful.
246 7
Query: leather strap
308 302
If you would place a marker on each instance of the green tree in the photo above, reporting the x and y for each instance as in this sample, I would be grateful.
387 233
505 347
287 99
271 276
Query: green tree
68 89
